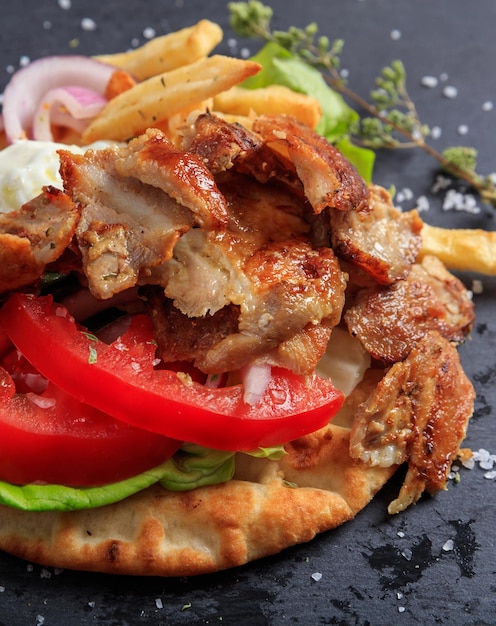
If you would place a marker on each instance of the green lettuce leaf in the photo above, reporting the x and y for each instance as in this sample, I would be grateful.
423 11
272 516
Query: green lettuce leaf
191 467
281 67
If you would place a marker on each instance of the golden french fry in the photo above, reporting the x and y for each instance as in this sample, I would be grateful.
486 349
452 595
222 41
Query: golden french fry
157 99
271 100
461 249
168 52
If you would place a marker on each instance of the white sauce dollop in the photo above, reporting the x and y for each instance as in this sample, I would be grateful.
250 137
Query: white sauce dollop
27 166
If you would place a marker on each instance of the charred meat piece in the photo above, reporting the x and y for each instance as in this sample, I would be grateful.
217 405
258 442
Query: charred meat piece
34 236
379 239
127 226
223 146
390 320
262 263
153 160
329 180
417 414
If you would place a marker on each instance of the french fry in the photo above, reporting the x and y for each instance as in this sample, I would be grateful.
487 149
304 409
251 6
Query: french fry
462 249
157 99
168 52
271 100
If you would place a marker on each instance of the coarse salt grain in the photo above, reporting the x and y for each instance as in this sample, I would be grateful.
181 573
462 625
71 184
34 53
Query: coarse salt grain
64 4
450 92
2 589
400 533
45 573
457 201
40 620
317 576
404 195
490 475
449 545
429 81
245 53
436 132
488 105
395 34
24 60
462 129
149 33
422 204
407 554
88 24
401 609
158 603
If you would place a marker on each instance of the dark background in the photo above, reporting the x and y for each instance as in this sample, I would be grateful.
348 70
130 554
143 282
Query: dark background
376 569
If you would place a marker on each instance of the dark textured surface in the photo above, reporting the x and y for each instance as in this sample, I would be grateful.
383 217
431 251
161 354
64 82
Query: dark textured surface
375 570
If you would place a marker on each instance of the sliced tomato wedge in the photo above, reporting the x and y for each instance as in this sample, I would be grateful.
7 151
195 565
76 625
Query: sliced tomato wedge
120 379
47 435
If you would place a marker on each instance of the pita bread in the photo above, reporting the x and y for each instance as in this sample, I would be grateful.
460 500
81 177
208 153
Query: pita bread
269 506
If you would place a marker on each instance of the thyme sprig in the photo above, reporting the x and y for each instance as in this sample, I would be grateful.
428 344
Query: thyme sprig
390 118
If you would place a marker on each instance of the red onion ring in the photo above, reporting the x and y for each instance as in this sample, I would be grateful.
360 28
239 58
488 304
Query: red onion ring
29 85
70 106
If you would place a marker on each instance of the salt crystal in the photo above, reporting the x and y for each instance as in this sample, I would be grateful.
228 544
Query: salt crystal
45 573
407 554
64 4
404 194
2 589
462 129
245 53
92 604
149 33
24 60
429 81
488 105
40 620
436 132
47 25
88 24
490 475
344 73
395 34
158 603
317 576
449 545
486 465
400 533
401 609
450 92
422 204
469 463
443 77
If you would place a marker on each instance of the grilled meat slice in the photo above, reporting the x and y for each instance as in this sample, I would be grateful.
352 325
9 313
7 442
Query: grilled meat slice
153 159
417 414
262 263
127 226
329 180
222 146
34 236
390 320
378 238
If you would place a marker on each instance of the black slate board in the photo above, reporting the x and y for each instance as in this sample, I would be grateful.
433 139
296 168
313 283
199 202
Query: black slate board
435 563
